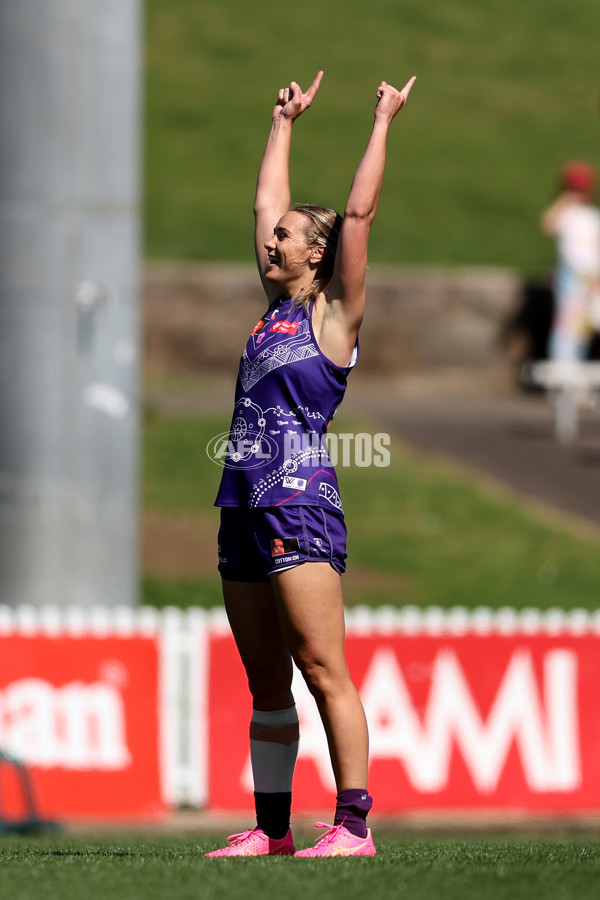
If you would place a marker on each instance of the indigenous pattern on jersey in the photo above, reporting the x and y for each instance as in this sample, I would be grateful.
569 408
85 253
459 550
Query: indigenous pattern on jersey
287 392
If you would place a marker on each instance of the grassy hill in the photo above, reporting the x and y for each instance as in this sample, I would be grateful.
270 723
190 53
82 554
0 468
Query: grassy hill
506 92
419 532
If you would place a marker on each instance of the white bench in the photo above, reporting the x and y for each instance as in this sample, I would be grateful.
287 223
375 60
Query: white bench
568 380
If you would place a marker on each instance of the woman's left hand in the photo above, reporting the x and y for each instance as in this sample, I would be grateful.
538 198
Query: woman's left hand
390 100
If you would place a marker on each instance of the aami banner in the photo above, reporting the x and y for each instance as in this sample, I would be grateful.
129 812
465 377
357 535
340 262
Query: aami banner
471 722
130 714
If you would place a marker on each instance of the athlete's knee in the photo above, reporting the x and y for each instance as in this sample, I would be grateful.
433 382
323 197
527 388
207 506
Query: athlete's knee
323 676
270 686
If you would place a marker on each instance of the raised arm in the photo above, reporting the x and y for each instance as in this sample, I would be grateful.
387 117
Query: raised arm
273 185
347 290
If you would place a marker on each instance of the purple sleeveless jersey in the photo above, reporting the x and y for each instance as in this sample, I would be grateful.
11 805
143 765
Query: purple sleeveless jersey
287 392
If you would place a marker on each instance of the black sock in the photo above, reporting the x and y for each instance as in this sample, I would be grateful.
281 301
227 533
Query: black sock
273 813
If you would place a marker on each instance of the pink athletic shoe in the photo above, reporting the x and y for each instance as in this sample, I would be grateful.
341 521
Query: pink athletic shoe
338 841
255 842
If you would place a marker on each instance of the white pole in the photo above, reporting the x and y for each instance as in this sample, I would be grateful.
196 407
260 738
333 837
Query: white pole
69 300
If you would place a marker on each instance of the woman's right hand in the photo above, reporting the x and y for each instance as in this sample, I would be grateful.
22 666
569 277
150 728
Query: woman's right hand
291 102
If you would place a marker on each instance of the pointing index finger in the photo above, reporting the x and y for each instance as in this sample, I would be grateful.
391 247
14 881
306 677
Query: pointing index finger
408 86
315 85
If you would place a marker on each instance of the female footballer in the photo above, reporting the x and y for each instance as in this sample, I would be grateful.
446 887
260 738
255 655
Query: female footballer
282 539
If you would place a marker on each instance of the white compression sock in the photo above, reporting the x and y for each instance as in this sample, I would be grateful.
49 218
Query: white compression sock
274 736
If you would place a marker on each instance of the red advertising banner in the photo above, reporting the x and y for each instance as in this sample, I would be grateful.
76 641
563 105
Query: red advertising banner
507 722
126 716
82 712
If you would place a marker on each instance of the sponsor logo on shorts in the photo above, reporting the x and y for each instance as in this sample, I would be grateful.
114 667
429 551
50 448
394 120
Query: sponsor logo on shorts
298 484
280 546
284 560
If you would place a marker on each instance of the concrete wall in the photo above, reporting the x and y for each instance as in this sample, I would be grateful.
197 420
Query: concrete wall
198 316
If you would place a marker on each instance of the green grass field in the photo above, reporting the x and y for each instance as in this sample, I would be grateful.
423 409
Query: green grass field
420 531
506 92
418 868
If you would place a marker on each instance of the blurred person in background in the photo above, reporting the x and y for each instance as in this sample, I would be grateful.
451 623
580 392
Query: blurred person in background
573 220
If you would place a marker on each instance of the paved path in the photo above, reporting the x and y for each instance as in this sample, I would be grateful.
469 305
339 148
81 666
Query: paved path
508 436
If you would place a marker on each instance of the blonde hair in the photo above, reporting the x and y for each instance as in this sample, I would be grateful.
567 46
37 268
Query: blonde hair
322 229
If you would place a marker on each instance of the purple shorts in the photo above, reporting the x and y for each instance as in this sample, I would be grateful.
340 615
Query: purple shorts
255 543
